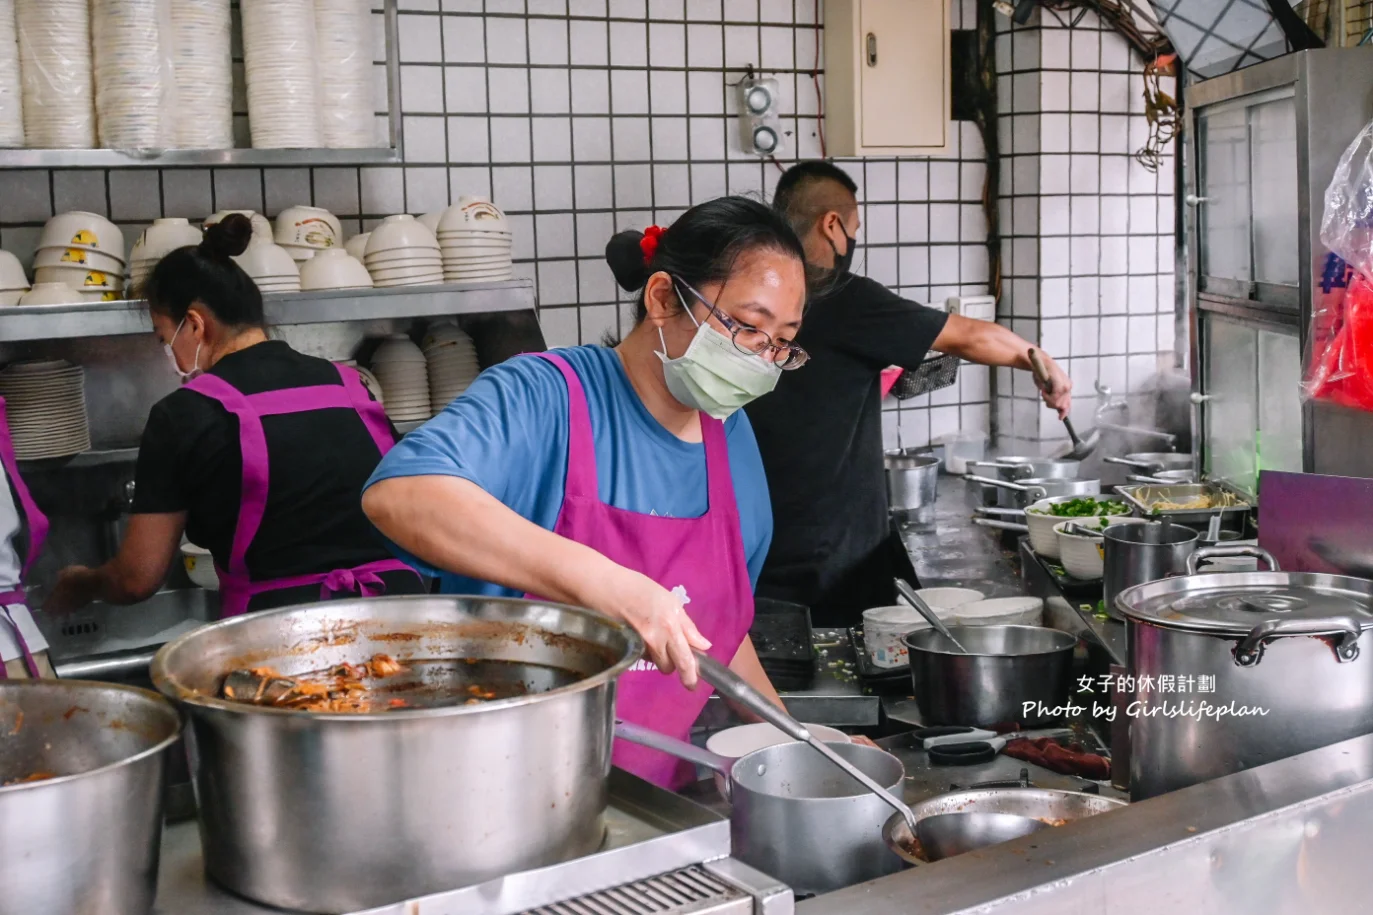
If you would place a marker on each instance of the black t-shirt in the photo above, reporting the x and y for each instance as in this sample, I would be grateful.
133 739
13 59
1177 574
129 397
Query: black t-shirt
190 460
820 434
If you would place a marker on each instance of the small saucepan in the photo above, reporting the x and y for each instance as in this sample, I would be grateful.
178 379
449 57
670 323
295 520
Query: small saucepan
794 814
1024 493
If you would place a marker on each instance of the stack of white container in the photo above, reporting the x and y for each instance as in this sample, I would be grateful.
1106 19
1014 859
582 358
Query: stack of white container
279 51
344 43
402 252
203 69
13 282
157 241
132 82
84 252
400 367
452 361
55 68
475 239
11 93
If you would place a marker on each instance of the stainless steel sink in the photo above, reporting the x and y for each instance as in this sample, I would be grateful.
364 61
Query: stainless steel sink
104 640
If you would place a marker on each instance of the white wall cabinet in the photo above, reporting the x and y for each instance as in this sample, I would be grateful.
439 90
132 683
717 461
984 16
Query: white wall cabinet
887 82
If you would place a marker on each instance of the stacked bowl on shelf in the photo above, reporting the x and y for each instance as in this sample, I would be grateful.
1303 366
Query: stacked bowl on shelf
13 281
400 367
279 67
203 73
157 241
334 268
347 106
11 87
83 251
402 252
55 70
132 77
475 240
304 230
271 268
357 246
45 404
451 358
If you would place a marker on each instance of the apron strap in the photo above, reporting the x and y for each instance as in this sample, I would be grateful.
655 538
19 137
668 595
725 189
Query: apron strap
30 663
373 414
719 479
253 445
364 580
35 522
581 444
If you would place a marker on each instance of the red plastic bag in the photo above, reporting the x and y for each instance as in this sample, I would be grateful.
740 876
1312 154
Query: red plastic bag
1341 368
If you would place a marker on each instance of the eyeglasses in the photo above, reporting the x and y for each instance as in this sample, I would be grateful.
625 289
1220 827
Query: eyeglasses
751 340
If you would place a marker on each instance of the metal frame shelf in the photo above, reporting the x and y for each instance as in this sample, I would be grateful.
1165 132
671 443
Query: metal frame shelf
103 319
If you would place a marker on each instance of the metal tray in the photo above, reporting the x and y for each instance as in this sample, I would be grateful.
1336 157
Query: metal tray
1143 496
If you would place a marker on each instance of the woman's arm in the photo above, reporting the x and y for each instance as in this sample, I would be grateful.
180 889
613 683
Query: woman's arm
452 524
747 665
134 574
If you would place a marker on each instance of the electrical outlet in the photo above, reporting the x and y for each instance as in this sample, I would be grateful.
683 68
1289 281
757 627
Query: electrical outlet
760 129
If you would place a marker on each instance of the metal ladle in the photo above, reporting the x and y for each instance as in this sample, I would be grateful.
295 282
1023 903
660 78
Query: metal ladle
915 600
1082 448
733 687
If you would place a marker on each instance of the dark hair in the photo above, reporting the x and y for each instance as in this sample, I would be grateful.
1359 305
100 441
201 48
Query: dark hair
206 273
796 197
702 246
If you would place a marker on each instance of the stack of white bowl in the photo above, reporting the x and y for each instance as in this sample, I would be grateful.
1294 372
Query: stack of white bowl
52 293
203 70
431 221
262 229
334 268
157 241
279 64
271 268
475 240
452 361
304 230
399 365
55 66
46 407
85 251
13 281
343 30
11 91
131 80
357 245
402 252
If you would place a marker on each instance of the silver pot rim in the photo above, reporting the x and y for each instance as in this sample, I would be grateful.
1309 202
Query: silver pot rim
156 700
1127 601
1069 641
181 695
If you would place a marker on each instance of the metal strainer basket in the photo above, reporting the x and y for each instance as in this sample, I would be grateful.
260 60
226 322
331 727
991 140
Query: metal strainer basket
934 373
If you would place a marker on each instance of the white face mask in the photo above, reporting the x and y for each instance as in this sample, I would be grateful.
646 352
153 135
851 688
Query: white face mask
171 356
713 375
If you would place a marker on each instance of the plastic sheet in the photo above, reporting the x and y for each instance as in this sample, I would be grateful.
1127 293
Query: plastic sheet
279 55
134 82
344 44
56 73
202 65
11 89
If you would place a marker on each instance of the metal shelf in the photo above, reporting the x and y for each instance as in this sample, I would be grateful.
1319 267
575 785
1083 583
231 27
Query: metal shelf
105 319
186 158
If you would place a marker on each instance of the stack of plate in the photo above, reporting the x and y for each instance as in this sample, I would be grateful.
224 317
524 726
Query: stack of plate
130 85
46 407
475 240
204 75
13 281
369 381
55 68
452 362
86 252
399 365
271 268
402 252
304 230
11 93
157 241
343 30
279 64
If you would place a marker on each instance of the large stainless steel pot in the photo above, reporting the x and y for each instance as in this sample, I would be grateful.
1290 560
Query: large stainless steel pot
1009 675
1261 665
1014 468
330 812
798 817
911 480
1133 554
1023 493
87 840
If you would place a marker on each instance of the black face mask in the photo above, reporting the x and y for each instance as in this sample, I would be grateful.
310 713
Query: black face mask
843 263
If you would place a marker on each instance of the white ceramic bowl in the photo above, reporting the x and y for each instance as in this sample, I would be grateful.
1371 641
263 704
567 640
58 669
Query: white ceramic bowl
1085 556
473 214
10 297
200 566
398 348
163 237
270 260
1043 540
12 274
948 598
78 278
50 294
746 738
403 257
884 627
80 229
262 229
400 231
417 274
308 227
1001 611
75 257
431 220
357 245
333 268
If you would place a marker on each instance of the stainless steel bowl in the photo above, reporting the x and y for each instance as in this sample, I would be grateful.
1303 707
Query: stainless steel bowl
335 812
86 840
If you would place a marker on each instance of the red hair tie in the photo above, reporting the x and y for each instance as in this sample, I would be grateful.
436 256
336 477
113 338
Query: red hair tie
649 243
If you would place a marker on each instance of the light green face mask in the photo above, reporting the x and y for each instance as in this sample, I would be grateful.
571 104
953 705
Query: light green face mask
713 375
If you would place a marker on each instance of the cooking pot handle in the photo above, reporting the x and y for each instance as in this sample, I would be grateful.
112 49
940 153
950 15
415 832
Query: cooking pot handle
1197 557
1250 649
999 512
1004 484
1002 525
1121 460
647 737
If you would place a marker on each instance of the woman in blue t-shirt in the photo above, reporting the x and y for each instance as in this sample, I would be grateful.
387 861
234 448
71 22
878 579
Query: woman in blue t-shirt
627 479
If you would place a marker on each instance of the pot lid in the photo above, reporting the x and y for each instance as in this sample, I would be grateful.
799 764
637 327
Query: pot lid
1234 603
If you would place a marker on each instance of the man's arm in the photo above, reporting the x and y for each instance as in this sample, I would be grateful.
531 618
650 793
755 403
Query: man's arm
987 343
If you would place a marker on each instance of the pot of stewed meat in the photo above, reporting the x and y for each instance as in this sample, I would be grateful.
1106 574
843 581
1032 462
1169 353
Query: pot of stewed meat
350 754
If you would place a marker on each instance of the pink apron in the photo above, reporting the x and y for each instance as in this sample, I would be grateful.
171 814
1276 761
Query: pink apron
237 587
702 558
35 528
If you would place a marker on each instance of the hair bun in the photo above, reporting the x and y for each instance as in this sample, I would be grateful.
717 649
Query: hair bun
626 259
229 237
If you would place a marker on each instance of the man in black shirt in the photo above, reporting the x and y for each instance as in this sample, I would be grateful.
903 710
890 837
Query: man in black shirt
820 431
